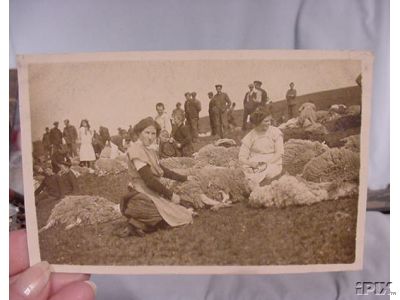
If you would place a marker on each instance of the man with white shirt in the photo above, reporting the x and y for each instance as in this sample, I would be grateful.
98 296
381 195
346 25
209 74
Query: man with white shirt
162 118
261 97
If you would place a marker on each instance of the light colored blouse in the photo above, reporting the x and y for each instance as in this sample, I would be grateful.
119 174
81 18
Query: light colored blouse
262 146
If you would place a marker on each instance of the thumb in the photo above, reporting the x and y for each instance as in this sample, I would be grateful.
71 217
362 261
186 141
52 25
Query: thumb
33 283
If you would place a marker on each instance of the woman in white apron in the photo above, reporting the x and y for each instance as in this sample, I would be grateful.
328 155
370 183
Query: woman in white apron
262 150
86 150
150 204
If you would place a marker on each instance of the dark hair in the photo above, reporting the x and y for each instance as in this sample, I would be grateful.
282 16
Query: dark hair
210 94
258 116
178 104
144 123
87 122
160 104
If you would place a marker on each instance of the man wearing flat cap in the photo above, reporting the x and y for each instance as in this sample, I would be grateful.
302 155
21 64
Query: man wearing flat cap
192 110
222 103
249 105
55 137
70 136
261 96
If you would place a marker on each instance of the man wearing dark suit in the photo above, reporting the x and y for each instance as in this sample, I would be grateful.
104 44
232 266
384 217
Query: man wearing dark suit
222 103
261 96
249 105
70 136
55 137
192 110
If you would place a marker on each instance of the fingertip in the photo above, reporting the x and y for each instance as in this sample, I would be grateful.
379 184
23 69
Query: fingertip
80 290
92 286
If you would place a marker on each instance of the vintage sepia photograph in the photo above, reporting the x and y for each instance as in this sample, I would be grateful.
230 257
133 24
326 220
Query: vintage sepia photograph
197 161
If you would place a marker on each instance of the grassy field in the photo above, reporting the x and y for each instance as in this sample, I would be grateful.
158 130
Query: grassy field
318 234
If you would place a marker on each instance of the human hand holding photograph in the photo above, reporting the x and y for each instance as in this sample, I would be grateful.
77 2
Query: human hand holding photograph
141 178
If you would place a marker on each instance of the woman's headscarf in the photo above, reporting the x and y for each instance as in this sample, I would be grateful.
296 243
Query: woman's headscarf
144 123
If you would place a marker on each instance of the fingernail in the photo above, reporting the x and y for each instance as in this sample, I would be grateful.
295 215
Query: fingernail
92 285
31 282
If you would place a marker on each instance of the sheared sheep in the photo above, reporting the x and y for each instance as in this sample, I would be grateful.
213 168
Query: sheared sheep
218 156
73 211
219 184
299 152
352 143
105 166
332 165
289 190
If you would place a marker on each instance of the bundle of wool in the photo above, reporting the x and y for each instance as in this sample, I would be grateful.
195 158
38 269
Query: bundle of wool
352 143
106 166
78 170
214 182
178 163
299 152
291 123
316 128
289 190
353 110
338 108
72 211
218 156
225 142
322 115
333 165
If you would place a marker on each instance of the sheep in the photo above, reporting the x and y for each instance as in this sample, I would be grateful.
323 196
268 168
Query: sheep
289 190
74 211
217 156
299 152
218 184
334 164
352 143
105 166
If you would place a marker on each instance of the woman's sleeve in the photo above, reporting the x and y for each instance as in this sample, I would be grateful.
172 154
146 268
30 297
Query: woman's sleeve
172 175
244 151
279 147
153 183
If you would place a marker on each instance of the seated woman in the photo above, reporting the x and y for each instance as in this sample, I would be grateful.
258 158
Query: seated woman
150 204
262 150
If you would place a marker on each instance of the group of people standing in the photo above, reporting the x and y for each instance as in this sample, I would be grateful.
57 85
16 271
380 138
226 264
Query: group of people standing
70 143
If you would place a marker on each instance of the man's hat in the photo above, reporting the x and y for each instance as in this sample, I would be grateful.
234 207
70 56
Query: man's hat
257 82
55 123
218 85
187 93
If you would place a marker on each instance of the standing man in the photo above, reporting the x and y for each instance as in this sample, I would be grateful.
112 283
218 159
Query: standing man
249 105
222 102
55 137
70 136
162 119
46 143
178 111
212 113
231 118
192 110
291 101
261 96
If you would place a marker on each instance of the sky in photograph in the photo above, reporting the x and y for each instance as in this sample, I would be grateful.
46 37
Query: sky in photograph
117 94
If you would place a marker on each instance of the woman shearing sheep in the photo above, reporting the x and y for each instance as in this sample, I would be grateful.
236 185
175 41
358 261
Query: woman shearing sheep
150 204
262 150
